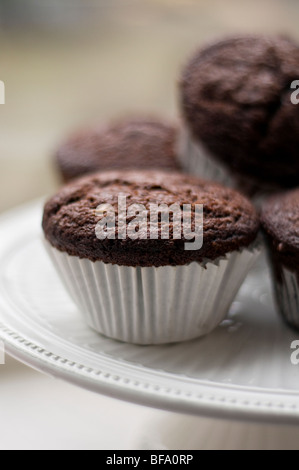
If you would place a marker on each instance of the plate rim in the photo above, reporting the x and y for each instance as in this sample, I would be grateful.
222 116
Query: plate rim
207 403
205 406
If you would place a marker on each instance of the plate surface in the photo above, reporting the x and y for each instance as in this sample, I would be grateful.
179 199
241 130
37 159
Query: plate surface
242 370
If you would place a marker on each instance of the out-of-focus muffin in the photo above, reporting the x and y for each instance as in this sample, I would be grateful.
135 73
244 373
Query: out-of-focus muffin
138 143
241 127
280 221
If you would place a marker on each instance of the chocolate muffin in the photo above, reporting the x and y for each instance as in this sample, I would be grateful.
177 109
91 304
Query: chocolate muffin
138 143
236 102
280 221
134 283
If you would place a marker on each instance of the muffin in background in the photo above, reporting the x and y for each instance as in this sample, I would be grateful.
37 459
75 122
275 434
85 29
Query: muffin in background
240 126
148 289
133 143
280 222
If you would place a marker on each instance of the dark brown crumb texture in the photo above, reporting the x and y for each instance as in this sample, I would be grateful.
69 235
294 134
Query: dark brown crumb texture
230 221
236 99
280 222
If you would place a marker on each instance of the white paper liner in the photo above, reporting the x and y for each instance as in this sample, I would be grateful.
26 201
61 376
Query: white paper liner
197 160
287 294
148 305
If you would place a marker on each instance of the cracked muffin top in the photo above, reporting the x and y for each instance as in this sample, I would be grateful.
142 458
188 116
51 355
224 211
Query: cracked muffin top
136 143
236 99
71 217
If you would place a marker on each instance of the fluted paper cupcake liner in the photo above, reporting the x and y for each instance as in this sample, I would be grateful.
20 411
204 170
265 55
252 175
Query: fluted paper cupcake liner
287 294
198 161
148 305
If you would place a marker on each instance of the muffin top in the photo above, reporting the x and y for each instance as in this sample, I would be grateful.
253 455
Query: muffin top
236 99
138 143
72 216
280 221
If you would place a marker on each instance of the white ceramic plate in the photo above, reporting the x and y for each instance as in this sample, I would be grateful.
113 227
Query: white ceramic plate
243 370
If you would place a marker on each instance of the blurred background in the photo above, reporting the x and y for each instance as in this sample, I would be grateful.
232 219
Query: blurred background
66 63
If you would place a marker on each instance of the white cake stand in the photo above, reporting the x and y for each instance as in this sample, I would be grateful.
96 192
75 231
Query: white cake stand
241 371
